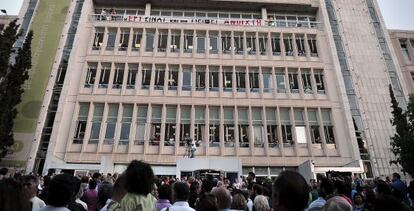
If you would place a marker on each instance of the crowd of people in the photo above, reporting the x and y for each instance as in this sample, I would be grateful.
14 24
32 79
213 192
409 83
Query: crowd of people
138 189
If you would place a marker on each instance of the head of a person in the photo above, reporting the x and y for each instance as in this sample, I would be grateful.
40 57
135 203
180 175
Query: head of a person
251 176
139 178
164 192
207 202
119 189
223 197
239 202
206 186
343 188
30 183
383 188
358 199
92 184
12 195
96 176
194 187
261 203
257 189
181 191
104 193
396 176
4 171
337 203
61 190
290 192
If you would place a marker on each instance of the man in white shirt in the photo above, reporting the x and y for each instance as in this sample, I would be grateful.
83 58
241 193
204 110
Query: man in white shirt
181 193
30 183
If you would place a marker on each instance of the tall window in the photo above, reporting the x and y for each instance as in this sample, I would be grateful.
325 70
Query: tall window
271 121
241 79
300 128
238 43
300 44
201 42
170 126
132 76
98 39
243 127
200 78
314 126
149 44
227 79
188 41
81 123
185 124
226 42
141 124
229 127
213 38
155 133
287 39
96 123
280 81
175 41
111 124
90 76
328 127
118 76
312 46
136 41
293 81
104 78
214 127
263 44
187 79
276 51
213 78
126 123
146 77
258 138
404 50
110 44
320 86
162 40
199 127
159 77
254 79
172 78
267 80
286 126
123 40
251 44
306 81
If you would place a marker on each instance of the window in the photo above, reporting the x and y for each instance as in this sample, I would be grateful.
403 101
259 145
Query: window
98 39
81 123
162 40
293 81
118 76
241 79
159 77
300 44
328 127
156 125
263 44
200 78
226 42
238 43
132 76
243 127
213 38
292 22
199 128
306 81
258 138
136 41
312 46
300 126
320 86
188 41
187 72
254 79
96 123
172 78
170 126
175 41
227 79
213 78
123 40
281 21
404 50
146 77
271 121
104 78
251 44
141 123
185 124
214 127
267 80
314 126
149 44
201 42
126 123
286 126
111 124
90 75
229 127
280 81
287 39
111 39
276 51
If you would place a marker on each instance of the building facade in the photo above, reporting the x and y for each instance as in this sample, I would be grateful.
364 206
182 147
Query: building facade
272 83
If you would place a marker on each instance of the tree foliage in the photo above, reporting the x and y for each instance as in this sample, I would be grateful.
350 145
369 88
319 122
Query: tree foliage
402 143
12 76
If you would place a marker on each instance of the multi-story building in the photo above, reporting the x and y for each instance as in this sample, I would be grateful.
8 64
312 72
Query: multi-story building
275 84
5 20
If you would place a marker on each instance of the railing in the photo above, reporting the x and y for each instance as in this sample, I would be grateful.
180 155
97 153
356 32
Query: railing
229 22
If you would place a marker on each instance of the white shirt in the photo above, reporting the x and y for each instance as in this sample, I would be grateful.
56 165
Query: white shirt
50 208
180 206
37 203
84 205
249 204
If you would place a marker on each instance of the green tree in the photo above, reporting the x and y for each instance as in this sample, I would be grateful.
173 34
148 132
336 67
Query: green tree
13 77
402 143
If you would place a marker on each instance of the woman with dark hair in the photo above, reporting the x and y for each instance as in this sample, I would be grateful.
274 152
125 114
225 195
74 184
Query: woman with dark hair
208 202
12 196
139 182
194 191
358 202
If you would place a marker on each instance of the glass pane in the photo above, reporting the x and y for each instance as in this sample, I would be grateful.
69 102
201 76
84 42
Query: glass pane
243 115
301 135
156 114
199 114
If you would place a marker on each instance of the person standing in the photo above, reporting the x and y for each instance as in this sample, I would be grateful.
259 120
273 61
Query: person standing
30 183
91 196
181 193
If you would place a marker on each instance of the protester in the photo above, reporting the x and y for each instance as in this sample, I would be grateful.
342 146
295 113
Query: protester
290 192
337 203
208 202
61 191
104 194
358 202
260 203
164 197
239 202
194 191
223 198
118 193
181 193
325 190
30 183
91 196
12 196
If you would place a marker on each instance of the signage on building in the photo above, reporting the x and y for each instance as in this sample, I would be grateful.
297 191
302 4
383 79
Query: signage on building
230 22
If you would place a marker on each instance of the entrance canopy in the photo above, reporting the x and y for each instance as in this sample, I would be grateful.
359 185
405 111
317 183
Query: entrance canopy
219 164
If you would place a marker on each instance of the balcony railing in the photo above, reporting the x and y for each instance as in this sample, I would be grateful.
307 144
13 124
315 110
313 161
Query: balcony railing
228 22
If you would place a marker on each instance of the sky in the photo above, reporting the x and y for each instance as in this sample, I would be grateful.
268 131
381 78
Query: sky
398 14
